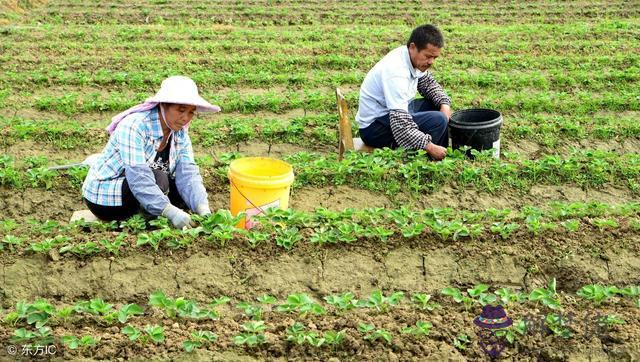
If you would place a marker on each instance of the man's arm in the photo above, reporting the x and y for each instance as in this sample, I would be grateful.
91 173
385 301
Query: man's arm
432 91
405 131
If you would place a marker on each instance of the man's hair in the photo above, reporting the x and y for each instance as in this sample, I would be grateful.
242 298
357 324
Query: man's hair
426 34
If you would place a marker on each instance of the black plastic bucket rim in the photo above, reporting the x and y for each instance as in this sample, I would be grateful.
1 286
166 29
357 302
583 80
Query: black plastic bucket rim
495 119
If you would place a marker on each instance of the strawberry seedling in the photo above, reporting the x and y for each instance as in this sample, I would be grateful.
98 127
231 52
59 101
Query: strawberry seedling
372 334
199 339
253 334
420 329
73 342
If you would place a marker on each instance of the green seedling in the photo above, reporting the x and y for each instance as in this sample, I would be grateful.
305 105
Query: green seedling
381 302
461 342
301 303
558 325
372 334
134 224
13 242
297 334
476 295
597 293
160 222
420 329
153 334
457 296
503 229
179 307
94 306
46 227
256 237
37 313
571 225
507 296
82 249
77 175
129 310
41 337
10 177
334 338
223 299
288 237
46 245
73 342
41 176
113 247
633 291
604 224
412 230
611 320
250 310
63 314
267 299
153 239
8 225
342 302
519 328
199 339
547 296
423 301
253 334
35 161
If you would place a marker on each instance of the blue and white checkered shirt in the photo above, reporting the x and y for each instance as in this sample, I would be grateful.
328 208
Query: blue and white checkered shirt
132 145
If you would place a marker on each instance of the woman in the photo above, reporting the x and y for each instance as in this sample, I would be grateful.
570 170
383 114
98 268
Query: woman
148 162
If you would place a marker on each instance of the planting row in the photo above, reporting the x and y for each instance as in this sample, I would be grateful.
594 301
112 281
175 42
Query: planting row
34 320
287 228
265 13
449 74
316 129
581 102
393 171
467 36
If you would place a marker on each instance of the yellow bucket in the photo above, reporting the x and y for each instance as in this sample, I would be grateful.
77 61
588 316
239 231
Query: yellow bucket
257 184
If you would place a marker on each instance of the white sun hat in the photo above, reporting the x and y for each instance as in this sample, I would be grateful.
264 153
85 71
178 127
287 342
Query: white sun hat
179 89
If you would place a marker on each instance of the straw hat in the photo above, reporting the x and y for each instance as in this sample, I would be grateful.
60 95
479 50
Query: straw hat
493 318
182 90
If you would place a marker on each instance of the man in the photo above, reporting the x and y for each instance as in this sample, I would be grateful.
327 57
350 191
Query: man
389 116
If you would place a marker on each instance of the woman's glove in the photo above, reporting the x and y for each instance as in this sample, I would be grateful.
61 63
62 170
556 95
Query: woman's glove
203 209
178 218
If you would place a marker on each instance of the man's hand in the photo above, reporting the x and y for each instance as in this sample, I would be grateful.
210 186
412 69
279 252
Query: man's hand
178 218
446 109
435 151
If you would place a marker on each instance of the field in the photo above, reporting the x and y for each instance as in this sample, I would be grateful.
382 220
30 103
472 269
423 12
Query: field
383 256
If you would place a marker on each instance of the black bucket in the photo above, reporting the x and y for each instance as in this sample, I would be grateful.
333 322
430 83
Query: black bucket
477 128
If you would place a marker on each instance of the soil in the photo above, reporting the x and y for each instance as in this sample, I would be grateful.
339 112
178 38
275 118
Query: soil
423 265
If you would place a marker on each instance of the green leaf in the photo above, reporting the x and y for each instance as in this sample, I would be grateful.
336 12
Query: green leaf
190 345
128 310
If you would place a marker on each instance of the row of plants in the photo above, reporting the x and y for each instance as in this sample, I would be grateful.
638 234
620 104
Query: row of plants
392 171
465 34
581 102
263 14
288 228
449 75
318 129
180 42
36 318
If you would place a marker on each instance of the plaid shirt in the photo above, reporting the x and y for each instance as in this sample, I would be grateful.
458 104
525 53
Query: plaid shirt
405 131
132 144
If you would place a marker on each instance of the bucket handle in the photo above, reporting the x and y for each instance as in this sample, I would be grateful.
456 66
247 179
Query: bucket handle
246 198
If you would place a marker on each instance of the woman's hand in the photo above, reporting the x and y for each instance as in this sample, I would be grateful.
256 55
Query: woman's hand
178 218
203 210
